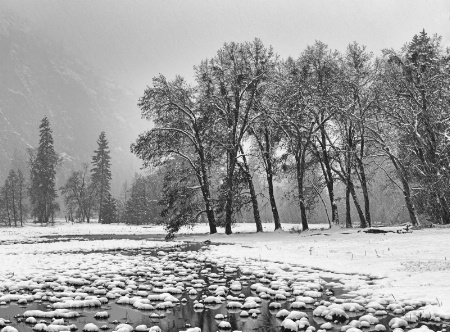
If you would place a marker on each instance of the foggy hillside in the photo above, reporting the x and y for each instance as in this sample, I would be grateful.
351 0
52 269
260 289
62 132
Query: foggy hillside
39 79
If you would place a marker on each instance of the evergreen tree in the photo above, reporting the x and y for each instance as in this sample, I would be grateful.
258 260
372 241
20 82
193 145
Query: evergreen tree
180 203
101 172
109 209
141 207
43 164
121 204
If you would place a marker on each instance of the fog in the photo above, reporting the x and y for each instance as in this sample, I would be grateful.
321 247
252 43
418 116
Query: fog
132 41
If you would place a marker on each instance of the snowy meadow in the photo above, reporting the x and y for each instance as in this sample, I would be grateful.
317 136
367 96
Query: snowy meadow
120 278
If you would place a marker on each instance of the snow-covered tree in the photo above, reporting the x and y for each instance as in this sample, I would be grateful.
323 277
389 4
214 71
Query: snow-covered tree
79 194
43 163
413 127
348 140
101 172
13 197
109 209
291 114
180 202
142 204
229 84
183 127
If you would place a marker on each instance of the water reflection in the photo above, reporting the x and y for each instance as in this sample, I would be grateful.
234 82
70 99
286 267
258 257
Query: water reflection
183 315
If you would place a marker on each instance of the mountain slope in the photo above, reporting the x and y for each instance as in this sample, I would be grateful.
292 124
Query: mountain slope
38 79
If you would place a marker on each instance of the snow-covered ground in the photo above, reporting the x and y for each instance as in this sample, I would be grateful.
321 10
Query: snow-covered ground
62 228
412 265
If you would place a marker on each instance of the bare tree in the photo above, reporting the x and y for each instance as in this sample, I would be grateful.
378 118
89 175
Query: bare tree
295 120
245 168
230 83
183 125
79 192
323 70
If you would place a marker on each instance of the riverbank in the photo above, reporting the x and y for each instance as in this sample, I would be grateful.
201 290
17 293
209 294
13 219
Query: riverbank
406 265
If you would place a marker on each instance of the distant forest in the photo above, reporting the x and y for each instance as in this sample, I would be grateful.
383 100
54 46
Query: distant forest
337 138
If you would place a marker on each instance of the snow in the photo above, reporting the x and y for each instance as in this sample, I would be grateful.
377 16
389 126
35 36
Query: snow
124 327
289 325
380 327
326 326
90 327
407 266
62 228
101 315
9 329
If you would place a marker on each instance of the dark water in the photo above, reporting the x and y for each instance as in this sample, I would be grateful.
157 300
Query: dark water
90 237
86 237
183 315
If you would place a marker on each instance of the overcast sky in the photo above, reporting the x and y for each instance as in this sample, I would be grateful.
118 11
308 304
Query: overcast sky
132 41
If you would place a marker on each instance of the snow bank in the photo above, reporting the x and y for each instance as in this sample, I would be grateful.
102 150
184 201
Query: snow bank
411 266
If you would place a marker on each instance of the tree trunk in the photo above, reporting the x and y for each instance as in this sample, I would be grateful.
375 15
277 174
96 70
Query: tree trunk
365 192
255 206
7 209
444 210
211 219
362 219
246 169
13 189
348 176
276 217
300 163
101 204
359 161
229 197
410 205
269 174
229 210
88 214
406 191
328 174
40 215
348 216
47 212
20 203
207 194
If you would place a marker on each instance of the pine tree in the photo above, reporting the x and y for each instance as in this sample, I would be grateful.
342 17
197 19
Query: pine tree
101 172
136 206
178 182
141 206
43 164
109 209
